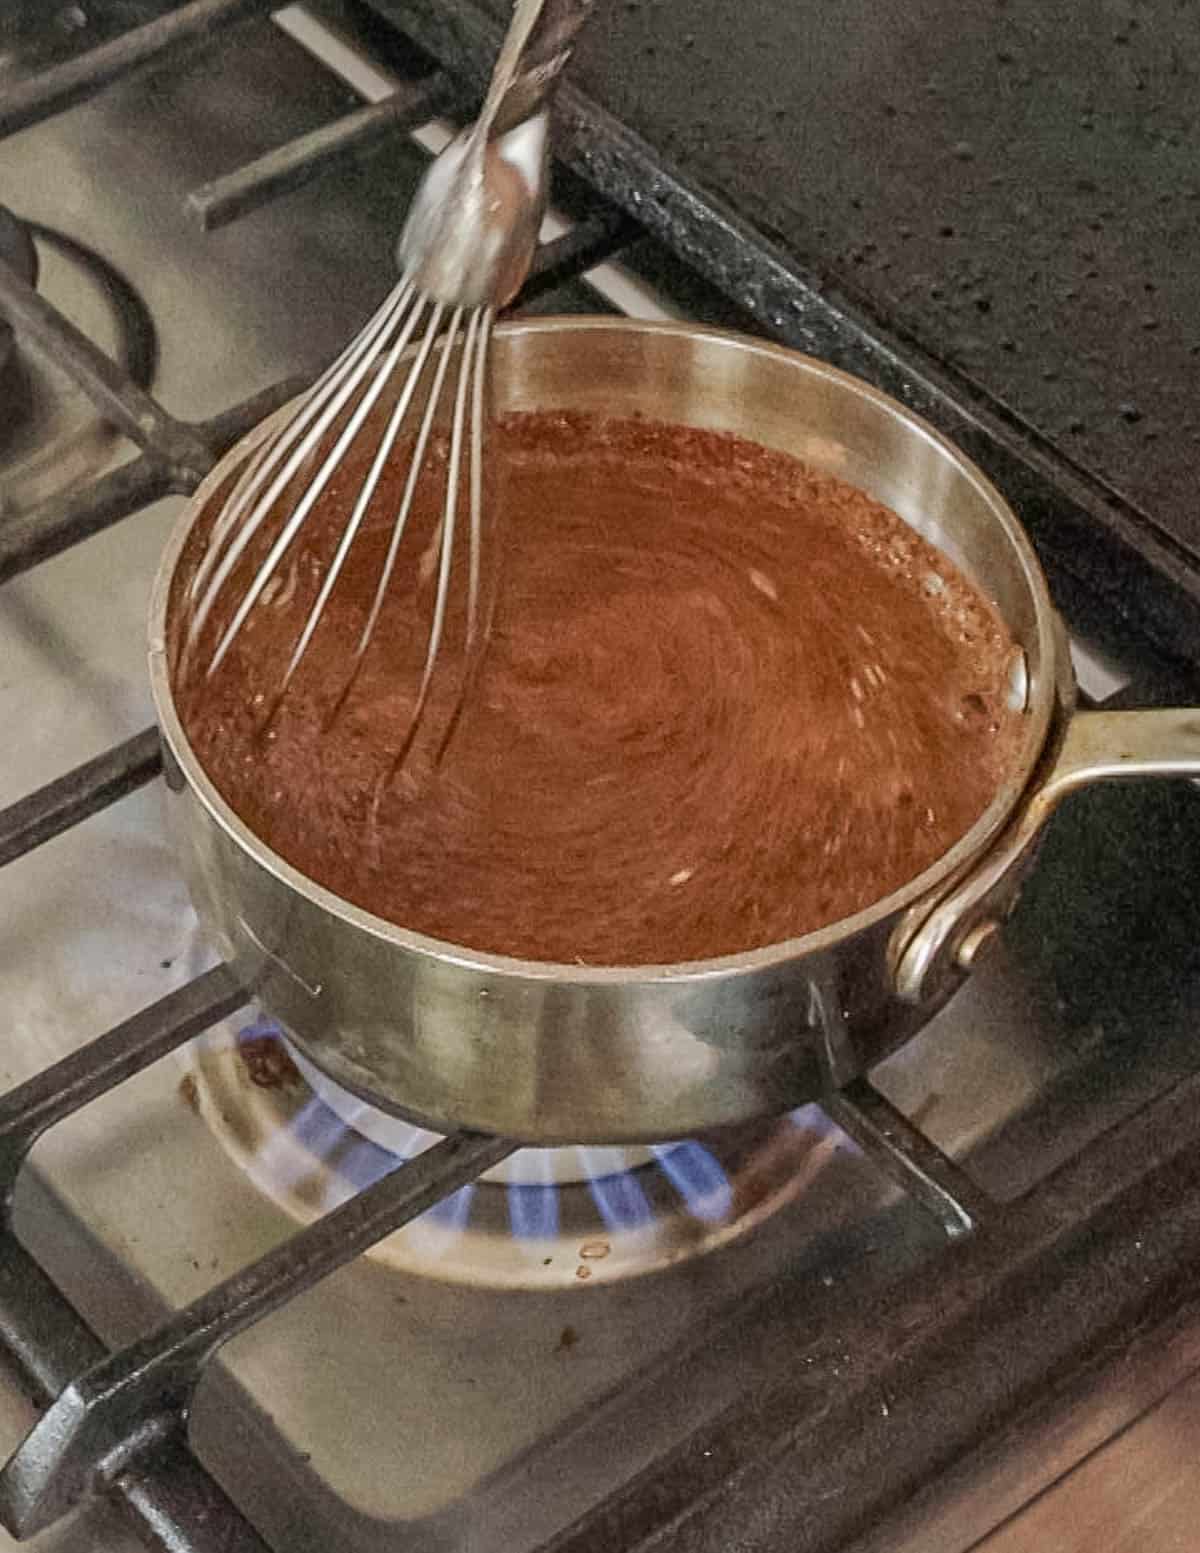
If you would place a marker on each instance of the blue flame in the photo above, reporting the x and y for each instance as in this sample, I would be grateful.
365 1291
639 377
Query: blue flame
285 1159
533 1211
317 1129
453 1211
700 1179
812 1119
694 1171
620 1198
259 1027
360 1166
437 1229
810 1116
281 1163
364 1163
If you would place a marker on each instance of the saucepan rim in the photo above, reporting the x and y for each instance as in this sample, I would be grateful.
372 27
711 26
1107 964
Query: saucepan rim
1039 710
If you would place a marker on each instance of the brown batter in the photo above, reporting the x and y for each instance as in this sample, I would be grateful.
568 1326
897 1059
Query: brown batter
725 701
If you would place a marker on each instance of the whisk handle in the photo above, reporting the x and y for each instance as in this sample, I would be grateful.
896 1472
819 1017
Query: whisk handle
543 60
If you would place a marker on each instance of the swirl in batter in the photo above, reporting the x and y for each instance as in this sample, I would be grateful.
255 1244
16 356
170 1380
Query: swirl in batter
725 700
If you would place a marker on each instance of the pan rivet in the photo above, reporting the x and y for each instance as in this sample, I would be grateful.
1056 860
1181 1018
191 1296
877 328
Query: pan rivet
976 944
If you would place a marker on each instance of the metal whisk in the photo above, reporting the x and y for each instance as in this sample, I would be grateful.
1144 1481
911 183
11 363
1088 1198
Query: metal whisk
465 250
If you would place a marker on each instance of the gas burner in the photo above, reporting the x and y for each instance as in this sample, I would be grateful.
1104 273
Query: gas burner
51 436
543 1219
528 1167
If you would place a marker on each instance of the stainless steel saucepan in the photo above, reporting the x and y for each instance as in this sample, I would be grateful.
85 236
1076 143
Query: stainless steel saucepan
548 1054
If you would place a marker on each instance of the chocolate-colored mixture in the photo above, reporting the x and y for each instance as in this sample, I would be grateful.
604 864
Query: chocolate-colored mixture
724 701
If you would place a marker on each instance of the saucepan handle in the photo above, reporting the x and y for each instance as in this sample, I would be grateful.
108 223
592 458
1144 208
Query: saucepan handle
1098 747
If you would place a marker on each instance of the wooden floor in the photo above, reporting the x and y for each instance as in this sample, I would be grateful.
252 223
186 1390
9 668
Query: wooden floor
1140 1493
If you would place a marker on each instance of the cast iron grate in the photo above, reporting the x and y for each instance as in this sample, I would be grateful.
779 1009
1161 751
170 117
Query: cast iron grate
812 1463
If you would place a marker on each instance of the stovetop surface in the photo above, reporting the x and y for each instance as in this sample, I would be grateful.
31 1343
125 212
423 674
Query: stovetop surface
382 1403
1012 184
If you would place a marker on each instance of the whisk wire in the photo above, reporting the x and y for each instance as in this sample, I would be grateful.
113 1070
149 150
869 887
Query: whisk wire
339 390
365 495
448 524
466 245
312 403
410 485
400 522
315 487
449 510
478 411
472 649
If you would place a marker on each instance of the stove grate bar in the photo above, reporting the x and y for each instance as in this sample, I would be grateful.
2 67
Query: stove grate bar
55 1093
118 1420
127 1405
596 237
54 526
913 1161
112 391
291 166
80 793
873 1397
58 524
172 1501
167 37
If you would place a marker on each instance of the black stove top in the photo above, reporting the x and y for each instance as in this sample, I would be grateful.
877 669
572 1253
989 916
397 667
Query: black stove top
991 210
1013 185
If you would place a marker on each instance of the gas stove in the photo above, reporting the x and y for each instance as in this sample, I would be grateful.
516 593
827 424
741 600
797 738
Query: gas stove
892 1321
